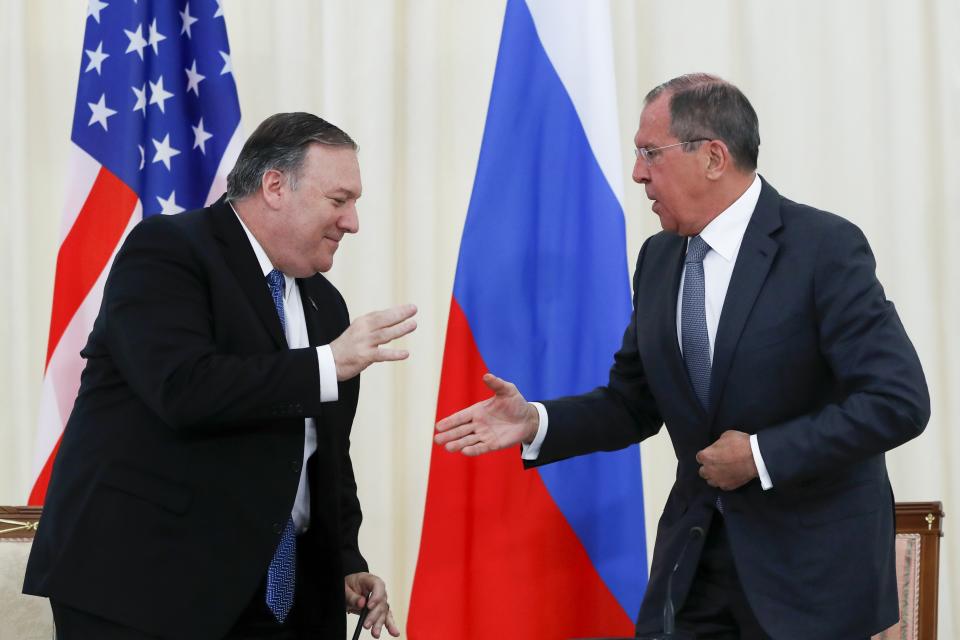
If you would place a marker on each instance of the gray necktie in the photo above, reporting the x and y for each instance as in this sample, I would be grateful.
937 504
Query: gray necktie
693 321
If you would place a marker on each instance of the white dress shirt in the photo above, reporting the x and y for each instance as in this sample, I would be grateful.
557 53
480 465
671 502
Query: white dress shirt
724 234
296 334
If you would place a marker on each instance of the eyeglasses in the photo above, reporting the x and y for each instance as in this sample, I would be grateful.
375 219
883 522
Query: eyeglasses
650 155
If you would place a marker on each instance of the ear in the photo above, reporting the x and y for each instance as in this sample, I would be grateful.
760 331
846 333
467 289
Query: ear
273 186
717 158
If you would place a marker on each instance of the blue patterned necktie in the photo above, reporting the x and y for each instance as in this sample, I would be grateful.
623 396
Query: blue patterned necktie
693 321
282 574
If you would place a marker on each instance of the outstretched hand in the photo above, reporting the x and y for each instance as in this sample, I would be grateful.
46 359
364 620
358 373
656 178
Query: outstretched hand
502 421
360 345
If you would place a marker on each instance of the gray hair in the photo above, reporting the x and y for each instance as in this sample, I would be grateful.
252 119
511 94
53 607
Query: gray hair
707 106
280 143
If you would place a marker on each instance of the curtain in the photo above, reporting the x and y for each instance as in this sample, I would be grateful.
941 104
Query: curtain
857 104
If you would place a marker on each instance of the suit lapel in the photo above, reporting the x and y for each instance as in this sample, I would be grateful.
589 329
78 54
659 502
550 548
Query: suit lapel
667 325
245 267
320 327
757 252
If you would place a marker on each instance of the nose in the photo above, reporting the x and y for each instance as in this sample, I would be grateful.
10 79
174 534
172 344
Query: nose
641 172
349 222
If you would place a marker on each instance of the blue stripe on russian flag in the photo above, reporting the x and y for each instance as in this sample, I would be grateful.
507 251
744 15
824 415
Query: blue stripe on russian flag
542 279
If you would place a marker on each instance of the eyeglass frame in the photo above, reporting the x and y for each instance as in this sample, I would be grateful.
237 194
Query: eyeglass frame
644 153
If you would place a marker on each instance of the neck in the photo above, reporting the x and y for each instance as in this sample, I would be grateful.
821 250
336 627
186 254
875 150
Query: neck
725 193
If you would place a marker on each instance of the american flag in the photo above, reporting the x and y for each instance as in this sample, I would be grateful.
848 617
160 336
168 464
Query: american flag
156 129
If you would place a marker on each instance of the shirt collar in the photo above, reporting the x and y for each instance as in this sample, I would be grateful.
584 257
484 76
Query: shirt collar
265 265
725 232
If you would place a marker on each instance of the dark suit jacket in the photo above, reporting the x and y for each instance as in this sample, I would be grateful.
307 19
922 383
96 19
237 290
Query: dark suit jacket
810 356
180 461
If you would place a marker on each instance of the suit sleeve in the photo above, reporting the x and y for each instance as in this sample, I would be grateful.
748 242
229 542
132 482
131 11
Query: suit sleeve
610 417
350 520
351 515
158 328
884 400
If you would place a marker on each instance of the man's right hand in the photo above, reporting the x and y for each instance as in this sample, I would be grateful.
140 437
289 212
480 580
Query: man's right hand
502 421
359 346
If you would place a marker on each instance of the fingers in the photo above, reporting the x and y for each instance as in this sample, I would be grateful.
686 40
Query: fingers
386 334
388 355
499 386
377 320
461 417
359 345
477 449
455 444
392 627
384 620
354 601
379 609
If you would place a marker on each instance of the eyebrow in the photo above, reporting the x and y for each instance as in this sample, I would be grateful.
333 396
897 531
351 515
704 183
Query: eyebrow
344 191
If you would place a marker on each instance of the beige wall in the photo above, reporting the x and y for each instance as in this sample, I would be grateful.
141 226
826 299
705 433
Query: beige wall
857 101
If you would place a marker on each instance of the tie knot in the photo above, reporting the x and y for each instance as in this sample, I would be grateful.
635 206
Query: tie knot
697 249
276 282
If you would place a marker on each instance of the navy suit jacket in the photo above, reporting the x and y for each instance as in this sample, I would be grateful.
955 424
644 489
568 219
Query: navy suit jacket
180 461
812 357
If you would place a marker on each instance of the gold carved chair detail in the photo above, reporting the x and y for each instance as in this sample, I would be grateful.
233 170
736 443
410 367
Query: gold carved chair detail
22 617
919 529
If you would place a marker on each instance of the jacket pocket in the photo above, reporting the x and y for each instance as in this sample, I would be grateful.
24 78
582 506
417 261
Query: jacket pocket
840 503
164 493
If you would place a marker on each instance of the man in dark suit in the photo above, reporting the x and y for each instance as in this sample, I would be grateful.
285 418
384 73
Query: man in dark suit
761 337
203 486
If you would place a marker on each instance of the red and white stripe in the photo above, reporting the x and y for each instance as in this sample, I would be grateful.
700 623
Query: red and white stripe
100 211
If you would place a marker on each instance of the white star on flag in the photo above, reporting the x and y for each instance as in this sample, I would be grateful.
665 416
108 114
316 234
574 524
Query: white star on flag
141 94
169 206
164 151
155 37
200 137
188 21
100 112
219 13
227 64
194 78
94 7
96 58
159 95
142 158
137 43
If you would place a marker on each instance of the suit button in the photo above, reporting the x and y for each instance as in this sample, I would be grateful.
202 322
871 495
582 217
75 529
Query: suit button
277 527
295 466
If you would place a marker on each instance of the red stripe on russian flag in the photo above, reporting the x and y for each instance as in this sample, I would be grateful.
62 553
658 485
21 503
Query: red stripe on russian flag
483 570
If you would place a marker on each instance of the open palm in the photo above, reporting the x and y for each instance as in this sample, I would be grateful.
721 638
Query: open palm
502 421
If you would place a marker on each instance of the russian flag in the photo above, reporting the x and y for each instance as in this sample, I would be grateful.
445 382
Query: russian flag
541 298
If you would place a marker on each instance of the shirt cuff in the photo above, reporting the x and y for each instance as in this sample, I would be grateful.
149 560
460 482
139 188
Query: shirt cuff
765 481
329 389
532 450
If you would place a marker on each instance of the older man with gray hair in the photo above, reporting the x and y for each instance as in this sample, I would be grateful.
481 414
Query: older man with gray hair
761 337
203 487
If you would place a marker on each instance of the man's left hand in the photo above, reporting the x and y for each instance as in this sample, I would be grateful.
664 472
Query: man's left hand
357 588
728 463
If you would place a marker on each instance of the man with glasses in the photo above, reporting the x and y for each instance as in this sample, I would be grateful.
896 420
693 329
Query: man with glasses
762 339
